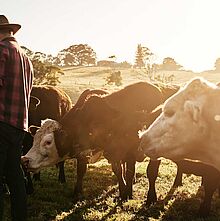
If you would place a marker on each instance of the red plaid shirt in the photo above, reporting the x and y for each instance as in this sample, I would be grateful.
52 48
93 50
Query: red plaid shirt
16 76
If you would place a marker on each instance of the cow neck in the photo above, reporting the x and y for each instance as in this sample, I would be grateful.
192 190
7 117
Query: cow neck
63 141
113 101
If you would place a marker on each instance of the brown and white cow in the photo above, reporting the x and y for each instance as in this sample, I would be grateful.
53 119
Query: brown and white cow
53 103
189 125
40 157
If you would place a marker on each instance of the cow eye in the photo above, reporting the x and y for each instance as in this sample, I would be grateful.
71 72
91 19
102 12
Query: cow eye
45 155
48 142
169 113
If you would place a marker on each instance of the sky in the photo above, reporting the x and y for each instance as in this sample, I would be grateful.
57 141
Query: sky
186 30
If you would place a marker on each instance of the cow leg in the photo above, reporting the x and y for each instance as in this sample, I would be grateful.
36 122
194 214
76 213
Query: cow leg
61 178
202 182
27 144
130 172
28 183
118 170
179 175
81 170
36 176
152 173
5 187
210 186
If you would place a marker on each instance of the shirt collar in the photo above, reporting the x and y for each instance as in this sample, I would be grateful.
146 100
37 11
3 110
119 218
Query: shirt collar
9 39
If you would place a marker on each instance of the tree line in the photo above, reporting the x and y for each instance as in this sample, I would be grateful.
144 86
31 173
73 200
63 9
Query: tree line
47 67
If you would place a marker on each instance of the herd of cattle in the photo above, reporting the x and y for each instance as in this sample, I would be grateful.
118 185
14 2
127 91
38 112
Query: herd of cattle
109 125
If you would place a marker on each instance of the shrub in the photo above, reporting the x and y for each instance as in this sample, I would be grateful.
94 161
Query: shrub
114 78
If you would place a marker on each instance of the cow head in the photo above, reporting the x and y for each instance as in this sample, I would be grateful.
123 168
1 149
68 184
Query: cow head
183 129
44 151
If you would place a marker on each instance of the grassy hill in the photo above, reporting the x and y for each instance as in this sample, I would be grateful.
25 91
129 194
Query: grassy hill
77 79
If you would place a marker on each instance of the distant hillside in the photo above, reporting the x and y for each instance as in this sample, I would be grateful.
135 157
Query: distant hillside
77 79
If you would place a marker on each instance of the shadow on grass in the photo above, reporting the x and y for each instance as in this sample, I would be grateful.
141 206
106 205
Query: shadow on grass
79 210
176 207
51 198
154 211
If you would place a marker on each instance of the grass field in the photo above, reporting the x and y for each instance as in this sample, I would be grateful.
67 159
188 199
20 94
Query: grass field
52 201
75 80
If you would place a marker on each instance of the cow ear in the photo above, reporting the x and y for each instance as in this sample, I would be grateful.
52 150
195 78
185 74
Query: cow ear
61 140
194 109
33 129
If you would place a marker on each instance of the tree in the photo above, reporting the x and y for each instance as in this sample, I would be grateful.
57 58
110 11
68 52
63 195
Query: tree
106 63
170 64
44 70
40 70
142 56
217 64
51 77
114 78
124 64
77 55
45 74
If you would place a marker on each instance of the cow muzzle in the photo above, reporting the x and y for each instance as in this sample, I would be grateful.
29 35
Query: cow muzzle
146 148
25 162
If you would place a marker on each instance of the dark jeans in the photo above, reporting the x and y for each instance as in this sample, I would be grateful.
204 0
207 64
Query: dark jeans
10 155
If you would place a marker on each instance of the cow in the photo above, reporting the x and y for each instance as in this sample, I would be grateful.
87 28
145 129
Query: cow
97 127
54 103
188 125
210 176
46 102
81 160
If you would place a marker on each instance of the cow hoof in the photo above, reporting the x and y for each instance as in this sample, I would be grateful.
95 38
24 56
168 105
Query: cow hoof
150 201
151 198
129 196
119 200
77 195
36 177
6 190
62 180
203 213
29 190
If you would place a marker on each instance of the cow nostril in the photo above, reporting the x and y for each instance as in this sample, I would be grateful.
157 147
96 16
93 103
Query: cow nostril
24 161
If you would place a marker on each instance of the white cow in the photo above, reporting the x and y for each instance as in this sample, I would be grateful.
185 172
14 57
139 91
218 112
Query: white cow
43 152
189 125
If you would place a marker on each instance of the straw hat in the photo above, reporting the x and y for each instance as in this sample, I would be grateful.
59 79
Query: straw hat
4 24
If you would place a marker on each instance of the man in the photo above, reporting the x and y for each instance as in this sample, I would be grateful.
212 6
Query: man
16 75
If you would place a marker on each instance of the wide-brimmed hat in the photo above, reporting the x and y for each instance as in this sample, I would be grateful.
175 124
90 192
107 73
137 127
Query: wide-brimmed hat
4 24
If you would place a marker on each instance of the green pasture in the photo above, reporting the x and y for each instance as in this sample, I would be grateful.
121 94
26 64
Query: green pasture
53 201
